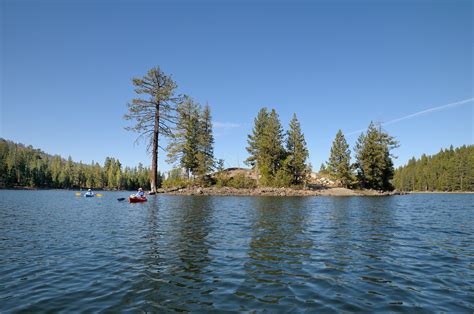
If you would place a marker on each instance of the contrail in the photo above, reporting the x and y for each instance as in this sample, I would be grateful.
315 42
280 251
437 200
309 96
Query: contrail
420 113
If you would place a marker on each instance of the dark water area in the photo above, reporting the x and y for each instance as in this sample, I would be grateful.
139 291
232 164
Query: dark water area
64 253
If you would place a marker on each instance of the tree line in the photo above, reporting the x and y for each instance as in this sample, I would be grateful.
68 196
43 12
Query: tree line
277 157
280 158
25 166
449 170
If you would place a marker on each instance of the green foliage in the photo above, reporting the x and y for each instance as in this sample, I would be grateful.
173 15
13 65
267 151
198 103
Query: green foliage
273 152
176 179
220 177
24 166
239 181
339 164
323 169
183 147
191 145
205 155
255 140
275 165
373 159
284 176
449 170
222 180
295 163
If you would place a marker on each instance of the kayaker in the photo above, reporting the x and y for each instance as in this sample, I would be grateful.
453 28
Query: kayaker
89 193
140 193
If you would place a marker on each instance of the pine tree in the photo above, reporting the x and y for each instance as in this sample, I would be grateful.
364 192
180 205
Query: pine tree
272 150
373 159
255 139
192 142
183 147
269 158
154 115
205 154
339 164
297 152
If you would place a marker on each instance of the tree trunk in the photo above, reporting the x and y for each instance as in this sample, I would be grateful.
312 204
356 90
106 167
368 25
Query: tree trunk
154 162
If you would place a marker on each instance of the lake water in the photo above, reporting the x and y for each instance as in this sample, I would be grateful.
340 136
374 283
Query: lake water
196 253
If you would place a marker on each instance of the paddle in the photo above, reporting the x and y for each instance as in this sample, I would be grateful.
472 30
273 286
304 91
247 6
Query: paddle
78 193
99 195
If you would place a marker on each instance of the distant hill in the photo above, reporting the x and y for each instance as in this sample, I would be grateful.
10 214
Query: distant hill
451 169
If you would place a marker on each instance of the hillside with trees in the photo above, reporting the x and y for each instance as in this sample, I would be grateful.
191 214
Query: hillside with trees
25 166
451 169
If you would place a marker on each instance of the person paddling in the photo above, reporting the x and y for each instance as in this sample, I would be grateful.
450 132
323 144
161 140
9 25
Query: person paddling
138 197
89 193
140 193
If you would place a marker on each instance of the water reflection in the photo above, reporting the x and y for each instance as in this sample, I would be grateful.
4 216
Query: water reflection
340 232
376 228
174 257
193 223
277 250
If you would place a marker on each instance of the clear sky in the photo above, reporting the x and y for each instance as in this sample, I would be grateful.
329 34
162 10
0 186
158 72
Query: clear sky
66 69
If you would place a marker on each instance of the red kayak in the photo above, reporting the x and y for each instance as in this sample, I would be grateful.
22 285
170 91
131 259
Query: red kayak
137 199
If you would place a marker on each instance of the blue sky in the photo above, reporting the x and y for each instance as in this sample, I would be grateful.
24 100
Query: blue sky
66 69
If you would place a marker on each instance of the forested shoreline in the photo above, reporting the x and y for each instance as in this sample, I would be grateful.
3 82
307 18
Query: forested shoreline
450 170
24 166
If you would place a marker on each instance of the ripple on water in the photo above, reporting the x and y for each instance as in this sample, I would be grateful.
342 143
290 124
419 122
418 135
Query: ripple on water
400 254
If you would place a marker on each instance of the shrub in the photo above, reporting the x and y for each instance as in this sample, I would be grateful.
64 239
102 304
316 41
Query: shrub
282 179
176 182
239 181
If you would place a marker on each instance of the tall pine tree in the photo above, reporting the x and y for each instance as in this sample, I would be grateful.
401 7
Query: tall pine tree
183 146
273 151
155 114
339 164
255 140
297 153
373 159
205 155
265 146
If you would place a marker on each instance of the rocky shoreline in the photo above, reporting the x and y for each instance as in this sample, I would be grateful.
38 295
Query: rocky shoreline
228 191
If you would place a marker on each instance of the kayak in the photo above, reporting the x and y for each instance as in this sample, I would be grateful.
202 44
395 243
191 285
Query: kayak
137 199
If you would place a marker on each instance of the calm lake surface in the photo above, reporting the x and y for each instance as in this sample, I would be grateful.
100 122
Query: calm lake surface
196 253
